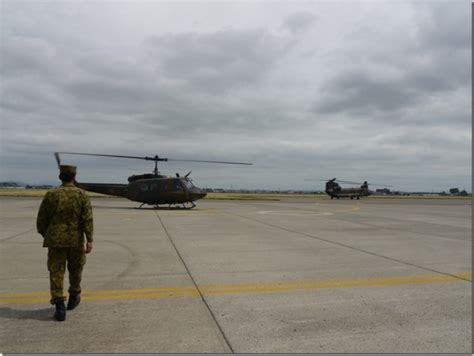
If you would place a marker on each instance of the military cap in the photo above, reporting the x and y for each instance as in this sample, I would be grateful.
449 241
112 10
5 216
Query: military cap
67 169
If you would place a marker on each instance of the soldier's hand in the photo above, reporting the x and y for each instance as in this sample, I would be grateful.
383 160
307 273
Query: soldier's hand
88 247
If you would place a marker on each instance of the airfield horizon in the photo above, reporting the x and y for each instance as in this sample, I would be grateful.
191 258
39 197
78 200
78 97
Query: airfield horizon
28 192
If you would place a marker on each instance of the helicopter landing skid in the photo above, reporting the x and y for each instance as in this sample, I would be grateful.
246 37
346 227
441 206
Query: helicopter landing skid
181 206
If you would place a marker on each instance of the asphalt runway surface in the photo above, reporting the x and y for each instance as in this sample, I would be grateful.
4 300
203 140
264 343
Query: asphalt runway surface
290 276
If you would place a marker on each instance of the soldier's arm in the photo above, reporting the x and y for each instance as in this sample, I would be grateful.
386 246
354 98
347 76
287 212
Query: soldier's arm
44 214
87 220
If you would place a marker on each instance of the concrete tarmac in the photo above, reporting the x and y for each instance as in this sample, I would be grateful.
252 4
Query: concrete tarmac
291 276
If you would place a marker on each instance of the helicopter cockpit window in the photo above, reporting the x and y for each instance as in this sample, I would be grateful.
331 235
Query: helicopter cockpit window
177 186
144 187
188 184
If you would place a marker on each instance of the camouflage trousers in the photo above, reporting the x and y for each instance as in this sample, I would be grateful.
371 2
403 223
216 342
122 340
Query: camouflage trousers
58 257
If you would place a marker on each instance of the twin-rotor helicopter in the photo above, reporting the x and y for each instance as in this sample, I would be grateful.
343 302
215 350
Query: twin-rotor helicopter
150 188
334 189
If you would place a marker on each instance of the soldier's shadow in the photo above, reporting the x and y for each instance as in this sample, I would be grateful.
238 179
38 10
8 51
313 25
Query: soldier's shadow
21 314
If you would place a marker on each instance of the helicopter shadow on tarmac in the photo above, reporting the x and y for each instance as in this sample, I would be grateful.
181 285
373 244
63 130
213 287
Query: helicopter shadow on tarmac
36 314
142 208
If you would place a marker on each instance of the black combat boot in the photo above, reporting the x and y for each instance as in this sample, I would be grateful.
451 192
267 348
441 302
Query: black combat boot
60 314
74 300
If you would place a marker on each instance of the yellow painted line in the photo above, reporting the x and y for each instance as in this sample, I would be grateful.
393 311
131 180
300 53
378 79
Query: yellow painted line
234 289
92 295
289 286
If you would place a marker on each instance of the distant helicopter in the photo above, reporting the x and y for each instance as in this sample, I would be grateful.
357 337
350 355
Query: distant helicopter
150 188
334 190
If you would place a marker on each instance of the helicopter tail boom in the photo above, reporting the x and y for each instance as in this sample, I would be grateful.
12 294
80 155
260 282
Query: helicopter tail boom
119 190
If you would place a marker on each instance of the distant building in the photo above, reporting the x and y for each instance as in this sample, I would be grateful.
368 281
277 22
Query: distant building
10 185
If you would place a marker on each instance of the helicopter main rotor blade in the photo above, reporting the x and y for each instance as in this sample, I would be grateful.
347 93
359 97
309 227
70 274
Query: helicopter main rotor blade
348 182
146 158
197 160
115 156
381 185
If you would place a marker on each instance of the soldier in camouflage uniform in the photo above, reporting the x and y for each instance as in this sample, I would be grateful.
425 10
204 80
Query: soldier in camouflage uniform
64 217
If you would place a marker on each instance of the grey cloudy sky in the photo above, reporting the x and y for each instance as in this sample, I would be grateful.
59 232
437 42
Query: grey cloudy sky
359 90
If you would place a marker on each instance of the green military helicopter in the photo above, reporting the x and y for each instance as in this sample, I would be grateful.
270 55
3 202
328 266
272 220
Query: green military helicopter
334 189
150 188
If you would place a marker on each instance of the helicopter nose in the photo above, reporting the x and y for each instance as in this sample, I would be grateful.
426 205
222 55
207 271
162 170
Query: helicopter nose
201 194
198 194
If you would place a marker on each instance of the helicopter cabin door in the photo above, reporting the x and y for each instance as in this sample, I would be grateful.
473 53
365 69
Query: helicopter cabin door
175 191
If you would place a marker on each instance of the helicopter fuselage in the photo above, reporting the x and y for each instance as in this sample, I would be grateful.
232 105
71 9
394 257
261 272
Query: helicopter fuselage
152 191
334 190
348 193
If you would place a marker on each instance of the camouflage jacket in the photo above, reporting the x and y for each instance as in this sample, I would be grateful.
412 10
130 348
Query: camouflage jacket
65 216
